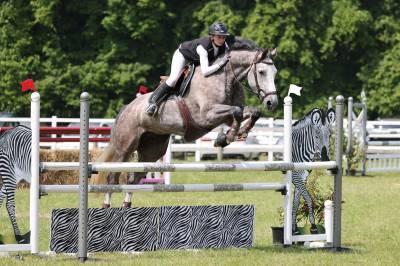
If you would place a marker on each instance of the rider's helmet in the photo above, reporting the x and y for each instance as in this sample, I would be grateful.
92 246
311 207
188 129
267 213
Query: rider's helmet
218 28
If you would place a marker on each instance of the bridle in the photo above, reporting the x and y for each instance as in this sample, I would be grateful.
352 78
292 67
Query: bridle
260 93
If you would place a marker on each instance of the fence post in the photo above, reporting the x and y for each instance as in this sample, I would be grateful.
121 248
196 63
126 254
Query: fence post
328 220
330 102
83 176
287 157
197 155
220 151
364 133
337 190
168 159
35 160
349 149
270 137
54 124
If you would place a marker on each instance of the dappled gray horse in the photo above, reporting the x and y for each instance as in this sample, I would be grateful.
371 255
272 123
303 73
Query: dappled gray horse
210 102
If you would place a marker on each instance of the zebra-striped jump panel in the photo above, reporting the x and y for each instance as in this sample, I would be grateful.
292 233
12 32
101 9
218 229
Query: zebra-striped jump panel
153 228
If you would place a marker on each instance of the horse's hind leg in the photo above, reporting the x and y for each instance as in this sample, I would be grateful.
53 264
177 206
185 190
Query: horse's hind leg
151 148
121 154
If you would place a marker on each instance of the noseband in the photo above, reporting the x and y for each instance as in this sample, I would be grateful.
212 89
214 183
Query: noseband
260 93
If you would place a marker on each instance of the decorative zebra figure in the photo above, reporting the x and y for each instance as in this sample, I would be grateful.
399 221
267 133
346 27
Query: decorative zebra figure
310 142
15 165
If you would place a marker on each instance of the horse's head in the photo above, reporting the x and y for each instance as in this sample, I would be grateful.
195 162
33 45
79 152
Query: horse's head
261 77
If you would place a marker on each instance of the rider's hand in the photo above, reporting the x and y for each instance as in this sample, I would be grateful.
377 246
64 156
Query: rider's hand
224 60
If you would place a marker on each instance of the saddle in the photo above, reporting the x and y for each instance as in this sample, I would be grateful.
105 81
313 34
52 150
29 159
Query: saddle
182 84
192 130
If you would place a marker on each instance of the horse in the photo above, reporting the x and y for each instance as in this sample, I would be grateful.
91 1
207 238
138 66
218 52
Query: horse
210 101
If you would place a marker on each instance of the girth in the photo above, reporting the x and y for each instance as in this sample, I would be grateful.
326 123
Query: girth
192 130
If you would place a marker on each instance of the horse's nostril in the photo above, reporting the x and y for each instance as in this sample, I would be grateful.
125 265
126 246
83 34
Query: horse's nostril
269 103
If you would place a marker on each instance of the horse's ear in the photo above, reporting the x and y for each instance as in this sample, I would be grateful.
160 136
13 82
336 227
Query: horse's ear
264 54
273 53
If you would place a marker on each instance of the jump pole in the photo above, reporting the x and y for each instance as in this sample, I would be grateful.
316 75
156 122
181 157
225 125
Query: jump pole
287 157
83 176
337 188
35 160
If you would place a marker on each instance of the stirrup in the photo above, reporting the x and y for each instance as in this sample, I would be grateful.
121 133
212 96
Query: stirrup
151 109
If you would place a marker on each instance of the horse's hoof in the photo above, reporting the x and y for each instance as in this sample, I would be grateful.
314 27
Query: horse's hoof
106 206
314 229
126 204
220 141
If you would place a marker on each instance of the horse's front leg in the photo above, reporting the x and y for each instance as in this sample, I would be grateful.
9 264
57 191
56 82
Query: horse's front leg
220 114
249 112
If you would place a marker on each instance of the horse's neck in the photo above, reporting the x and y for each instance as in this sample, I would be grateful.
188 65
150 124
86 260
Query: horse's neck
221 87
241 61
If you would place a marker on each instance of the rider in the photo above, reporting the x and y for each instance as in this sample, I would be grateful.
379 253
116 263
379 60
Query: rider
201 51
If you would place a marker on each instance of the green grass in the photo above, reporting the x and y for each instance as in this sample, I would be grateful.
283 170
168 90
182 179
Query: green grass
370 222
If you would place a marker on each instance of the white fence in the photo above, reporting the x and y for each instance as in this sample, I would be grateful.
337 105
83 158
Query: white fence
383 139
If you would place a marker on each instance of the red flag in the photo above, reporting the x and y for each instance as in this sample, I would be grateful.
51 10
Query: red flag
28 85
143 89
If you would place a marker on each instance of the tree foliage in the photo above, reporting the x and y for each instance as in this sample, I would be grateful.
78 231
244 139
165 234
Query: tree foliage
110 47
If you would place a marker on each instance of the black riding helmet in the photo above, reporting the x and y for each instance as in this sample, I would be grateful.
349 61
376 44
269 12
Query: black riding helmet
218 28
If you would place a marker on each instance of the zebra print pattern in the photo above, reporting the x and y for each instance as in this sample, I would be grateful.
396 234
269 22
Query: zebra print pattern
112 229
15 165
149 229
310 142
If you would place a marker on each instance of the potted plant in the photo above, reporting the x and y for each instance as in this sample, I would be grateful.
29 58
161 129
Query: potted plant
355 158
319 195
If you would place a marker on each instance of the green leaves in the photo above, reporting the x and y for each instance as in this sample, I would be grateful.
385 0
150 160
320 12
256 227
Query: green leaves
110 47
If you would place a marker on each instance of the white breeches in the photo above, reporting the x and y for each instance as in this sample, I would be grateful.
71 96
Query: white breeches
178 63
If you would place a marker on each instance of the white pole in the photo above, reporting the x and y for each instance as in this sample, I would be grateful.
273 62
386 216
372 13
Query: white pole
270 136
35 159
328 220
54 124
287 157
167 159
197 154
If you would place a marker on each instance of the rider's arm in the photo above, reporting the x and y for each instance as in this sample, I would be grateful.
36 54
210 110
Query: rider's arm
204 64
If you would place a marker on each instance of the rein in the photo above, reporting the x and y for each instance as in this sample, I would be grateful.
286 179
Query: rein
260 93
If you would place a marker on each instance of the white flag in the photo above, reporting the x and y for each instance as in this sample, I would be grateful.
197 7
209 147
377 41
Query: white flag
294 89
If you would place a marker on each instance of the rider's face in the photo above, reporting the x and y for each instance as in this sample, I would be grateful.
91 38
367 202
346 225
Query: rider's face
218 40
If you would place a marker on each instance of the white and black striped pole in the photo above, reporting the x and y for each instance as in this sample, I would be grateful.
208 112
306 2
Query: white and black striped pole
337 217
83 176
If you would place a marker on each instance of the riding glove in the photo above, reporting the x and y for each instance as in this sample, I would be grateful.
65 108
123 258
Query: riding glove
224 60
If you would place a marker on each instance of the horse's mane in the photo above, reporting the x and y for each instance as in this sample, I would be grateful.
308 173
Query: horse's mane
244 44
305 121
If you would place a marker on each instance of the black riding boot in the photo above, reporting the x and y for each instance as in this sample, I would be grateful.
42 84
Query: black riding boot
158 95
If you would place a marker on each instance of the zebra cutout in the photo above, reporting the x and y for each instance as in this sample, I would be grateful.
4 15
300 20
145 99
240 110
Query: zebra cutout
310 142
15 165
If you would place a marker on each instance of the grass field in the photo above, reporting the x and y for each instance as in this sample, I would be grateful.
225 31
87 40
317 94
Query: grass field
369 224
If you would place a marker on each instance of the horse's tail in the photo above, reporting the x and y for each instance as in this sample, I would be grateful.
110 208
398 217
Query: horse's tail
105 156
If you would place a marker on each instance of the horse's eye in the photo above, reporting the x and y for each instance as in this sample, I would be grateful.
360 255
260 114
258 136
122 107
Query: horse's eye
261 72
